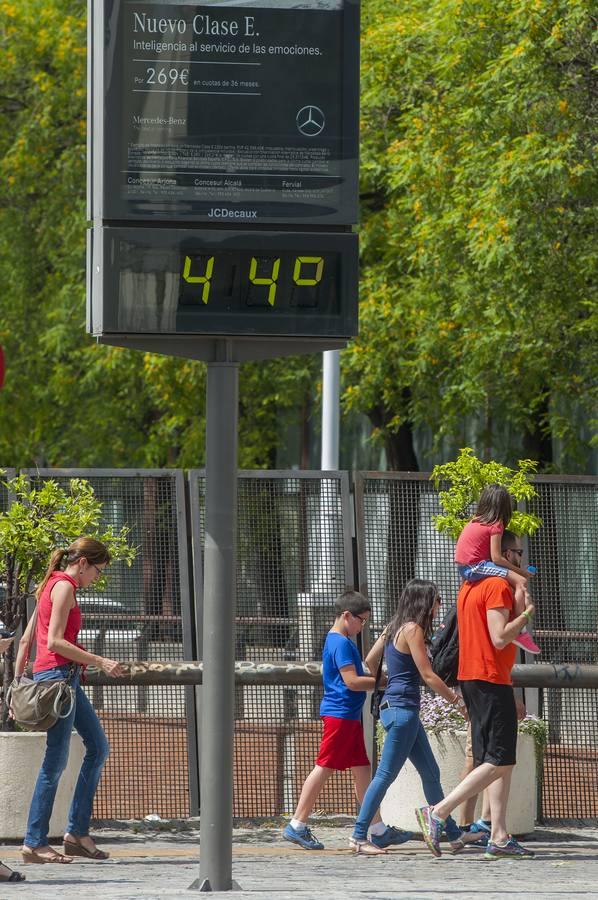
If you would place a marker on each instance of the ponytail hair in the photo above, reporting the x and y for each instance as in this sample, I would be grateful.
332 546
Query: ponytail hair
84 547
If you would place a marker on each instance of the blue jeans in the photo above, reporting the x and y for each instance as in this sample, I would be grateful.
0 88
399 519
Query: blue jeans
405 739
86 722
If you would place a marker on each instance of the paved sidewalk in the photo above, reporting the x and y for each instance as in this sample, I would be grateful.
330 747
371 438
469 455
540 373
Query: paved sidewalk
161 864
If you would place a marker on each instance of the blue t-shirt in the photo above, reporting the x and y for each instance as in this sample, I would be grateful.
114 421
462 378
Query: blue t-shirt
338 700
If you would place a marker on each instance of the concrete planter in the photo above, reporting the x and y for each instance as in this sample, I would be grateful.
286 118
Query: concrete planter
21 755
405 794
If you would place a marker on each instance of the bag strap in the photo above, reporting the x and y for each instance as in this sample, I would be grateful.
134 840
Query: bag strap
379 671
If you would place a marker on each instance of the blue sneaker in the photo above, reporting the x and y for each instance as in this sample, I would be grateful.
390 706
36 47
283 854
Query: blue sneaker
391 836
303 837
483 829
431 827
511 850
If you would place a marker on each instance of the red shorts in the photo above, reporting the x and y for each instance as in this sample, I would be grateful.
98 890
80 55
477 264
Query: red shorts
342 745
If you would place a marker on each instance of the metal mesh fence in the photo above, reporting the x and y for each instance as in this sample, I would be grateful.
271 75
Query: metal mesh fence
139 614
4 498
295 554
4 503
294 558
565 551
397 541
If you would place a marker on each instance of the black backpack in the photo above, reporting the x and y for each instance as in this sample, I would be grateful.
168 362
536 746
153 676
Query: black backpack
445 648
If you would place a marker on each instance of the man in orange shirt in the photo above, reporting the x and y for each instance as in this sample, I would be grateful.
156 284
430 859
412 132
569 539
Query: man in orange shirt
486 657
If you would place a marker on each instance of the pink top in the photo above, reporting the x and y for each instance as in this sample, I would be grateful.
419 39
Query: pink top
47 659
473 545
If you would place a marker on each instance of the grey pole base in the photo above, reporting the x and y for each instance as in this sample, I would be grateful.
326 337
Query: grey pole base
205 887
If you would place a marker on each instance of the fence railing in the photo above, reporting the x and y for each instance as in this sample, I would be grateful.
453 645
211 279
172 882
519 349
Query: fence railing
302 537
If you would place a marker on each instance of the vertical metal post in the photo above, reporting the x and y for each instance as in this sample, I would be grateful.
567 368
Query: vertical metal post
331 379
217 713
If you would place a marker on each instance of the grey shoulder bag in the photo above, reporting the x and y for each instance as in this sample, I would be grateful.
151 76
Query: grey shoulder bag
38 705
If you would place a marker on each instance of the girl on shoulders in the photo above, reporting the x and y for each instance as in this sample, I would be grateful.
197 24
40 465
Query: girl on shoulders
479 554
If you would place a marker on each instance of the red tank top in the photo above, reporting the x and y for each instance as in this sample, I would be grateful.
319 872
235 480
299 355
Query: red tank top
47 659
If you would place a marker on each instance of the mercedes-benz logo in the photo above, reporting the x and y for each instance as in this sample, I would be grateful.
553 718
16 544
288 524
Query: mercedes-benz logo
310 121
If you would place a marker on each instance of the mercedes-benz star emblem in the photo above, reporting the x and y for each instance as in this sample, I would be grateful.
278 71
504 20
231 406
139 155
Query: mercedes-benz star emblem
310 121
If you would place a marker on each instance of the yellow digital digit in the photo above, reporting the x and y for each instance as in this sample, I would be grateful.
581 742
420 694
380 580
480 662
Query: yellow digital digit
204 279
316 261
266 281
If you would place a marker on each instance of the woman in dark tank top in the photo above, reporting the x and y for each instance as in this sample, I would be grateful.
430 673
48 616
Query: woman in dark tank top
403 643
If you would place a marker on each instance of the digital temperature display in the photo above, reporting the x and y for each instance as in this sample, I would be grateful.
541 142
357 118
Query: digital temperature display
220 282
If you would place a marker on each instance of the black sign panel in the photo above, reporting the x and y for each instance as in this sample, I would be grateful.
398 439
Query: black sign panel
229 111
170 281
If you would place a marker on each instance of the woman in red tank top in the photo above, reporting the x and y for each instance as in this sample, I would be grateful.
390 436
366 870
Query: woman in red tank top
58 655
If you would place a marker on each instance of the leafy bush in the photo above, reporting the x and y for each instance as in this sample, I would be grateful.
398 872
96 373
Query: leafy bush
467 476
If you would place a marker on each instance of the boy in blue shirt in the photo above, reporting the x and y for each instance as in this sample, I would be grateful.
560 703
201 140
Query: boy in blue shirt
342 746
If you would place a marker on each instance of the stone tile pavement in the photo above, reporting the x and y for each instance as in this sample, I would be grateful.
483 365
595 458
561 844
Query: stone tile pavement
160 864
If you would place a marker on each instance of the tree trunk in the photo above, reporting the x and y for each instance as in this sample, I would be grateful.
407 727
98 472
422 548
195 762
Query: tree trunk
400 452
537 441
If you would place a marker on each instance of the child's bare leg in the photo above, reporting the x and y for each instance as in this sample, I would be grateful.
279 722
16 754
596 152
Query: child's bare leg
312 786
519 583
362 775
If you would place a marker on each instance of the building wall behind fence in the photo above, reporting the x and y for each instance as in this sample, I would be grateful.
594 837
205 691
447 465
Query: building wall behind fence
301 540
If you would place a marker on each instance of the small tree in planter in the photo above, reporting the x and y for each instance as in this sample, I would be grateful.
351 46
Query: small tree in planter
467 476
40 519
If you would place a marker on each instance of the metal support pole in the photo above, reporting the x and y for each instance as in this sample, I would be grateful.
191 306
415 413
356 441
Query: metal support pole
217 714
331 380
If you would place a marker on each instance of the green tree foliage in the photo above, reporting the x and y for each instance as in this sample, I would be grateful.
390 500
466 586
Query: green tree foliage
39 520
464 479
479 252
67 401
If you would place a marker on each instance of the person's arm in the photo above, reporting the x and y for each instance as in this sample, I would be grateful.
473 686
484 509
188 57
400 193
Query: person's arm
499 560
372 660
357 682
23 651
414 636
62 603
502 632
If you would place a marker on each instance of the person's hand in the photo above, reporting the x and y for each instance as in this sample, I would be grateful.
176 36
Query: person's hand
463 710
530 608
5 644
520 707
112 668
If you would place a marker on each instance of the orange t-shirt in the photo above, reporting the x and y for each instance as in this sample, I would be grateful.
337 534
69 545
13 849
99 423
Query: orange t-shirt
479 659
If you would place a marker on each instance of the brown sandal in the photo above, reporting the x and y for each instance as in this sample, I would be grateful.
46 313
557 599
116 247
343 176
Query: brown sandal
31 857
79 850
365 848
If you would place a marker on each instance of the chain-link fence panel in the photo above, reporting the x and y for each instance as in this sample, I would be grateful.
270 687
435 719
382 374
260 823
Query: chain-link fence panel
5 475
397 541
565 551
294 557
142 612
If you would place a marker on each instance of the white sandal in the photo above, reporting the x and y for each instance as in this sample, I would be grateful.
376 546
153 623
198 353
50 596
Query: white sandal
365 848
